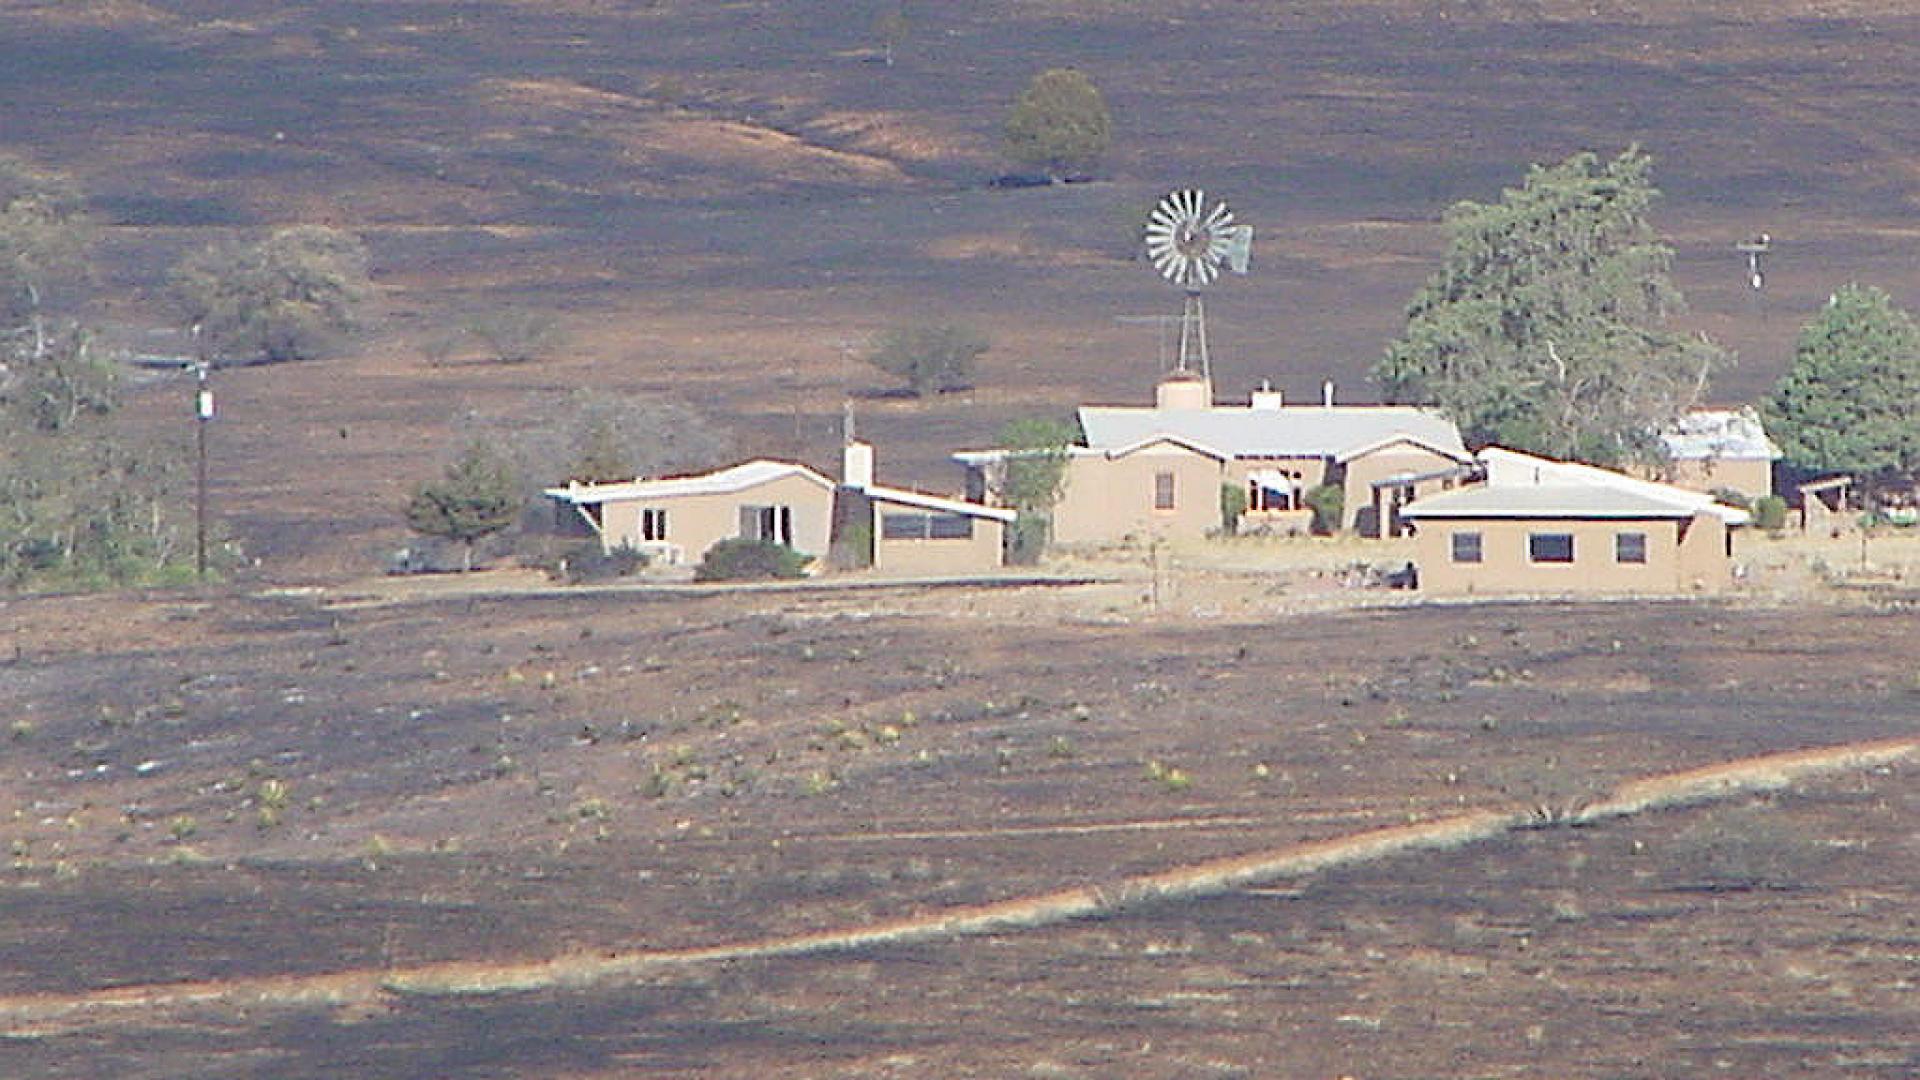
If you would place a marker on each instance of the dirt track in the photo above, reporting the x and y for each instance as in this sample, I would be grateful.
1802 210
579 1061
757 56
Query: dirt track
610 966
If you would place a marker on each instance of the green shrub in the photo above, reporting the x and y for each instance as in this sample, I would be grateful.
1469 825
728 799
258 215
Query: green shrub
1233 503
591 562
740 559
1727 496
1027 539
1770 513
1329 505
932 358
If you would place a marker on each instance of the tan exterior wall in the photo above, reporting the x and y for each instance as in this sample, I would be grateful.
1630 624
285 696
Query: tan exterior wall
1109 499
1752 477
697 522
1699 563
1364 471
978 554
1706 554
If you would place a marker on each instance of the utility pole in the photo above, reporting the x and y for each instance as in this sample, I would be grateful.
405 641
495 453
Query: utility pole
203 413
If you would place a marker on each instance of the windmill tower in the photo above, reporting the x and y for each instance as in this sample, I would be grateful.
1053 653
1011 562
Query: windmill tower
1189 240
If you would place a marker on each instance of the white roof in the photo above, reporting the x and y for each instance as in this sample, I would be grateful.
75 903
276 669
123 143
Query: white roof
1523 485
724 482
936 503
1542 501
1287 431
1719 434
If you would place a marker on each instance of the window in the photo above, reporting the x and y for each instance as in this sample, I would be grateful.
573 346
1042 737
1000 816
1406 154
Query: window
913 526
1630 547
903 526
1550 547
949 527
1466 547
653 524
771 524
1163 491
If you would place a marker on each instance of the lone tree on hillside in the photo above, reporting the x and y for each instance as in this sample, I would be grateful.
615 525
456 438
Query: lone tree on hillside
1850 401
933 358
43 240
285 297
479 496
1060 124
1544 330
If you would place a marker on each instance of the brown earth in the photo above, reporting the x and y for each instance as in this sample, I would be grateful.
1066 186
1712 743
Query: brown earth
305 773
724 201
233 786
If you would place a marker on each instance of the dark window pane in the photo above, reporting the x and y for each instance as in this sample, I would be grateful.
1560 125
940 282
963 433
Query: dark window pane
1466 547
949 526
1630 547
1550 547
903 526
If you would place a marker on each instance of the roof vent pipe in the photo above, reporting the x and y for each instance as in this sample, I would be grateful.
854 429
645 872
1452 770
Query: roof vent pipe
1267 399
1326 393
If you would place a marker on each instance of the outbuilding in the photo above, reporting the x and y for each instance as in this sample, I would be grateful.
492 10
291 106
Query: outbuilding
675 520
1539 526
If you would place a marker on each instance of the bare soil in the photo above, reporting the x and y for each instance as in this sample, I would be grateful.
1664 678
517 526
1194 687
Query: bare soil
305 771
724 202
502 778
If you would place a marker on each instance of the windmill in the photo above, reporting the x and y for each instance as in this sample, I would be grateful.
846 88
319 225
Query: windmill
1188 240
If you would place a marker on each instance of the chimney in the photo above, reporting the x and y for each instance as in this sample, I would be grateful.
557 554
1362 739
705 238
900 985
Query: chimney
1267 399
1182 391
856 465
1326 393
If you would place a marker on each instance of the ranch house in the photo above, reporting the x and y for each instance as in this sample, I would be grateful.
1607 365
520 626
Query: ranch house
1160 471
1537 526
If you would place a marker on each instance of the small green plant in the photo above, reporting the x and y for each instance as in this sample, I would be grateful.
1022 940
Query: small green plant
270 802
741 559
658 783
1061 747
1329 505
1171 778
1770 513
182 827
1233 503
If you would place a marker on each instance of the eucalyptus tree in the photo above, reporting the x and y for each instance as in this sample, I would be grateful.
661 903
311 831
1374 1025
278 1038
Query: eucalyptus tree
1545 328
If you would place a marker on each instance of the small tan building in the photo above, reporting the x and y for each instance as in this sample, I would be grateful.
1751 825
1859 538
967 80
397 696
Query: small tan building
1719 450
904 533
1538 526
675 520
925 535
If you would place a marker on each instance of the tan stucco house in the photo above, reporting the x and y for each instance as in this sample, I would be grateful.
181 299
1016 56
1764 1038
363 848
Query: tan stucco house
1538 526
1158 471
675 520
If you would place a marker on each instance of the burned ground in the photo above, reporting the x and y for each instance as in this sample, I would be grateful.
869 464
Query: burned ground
482 779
